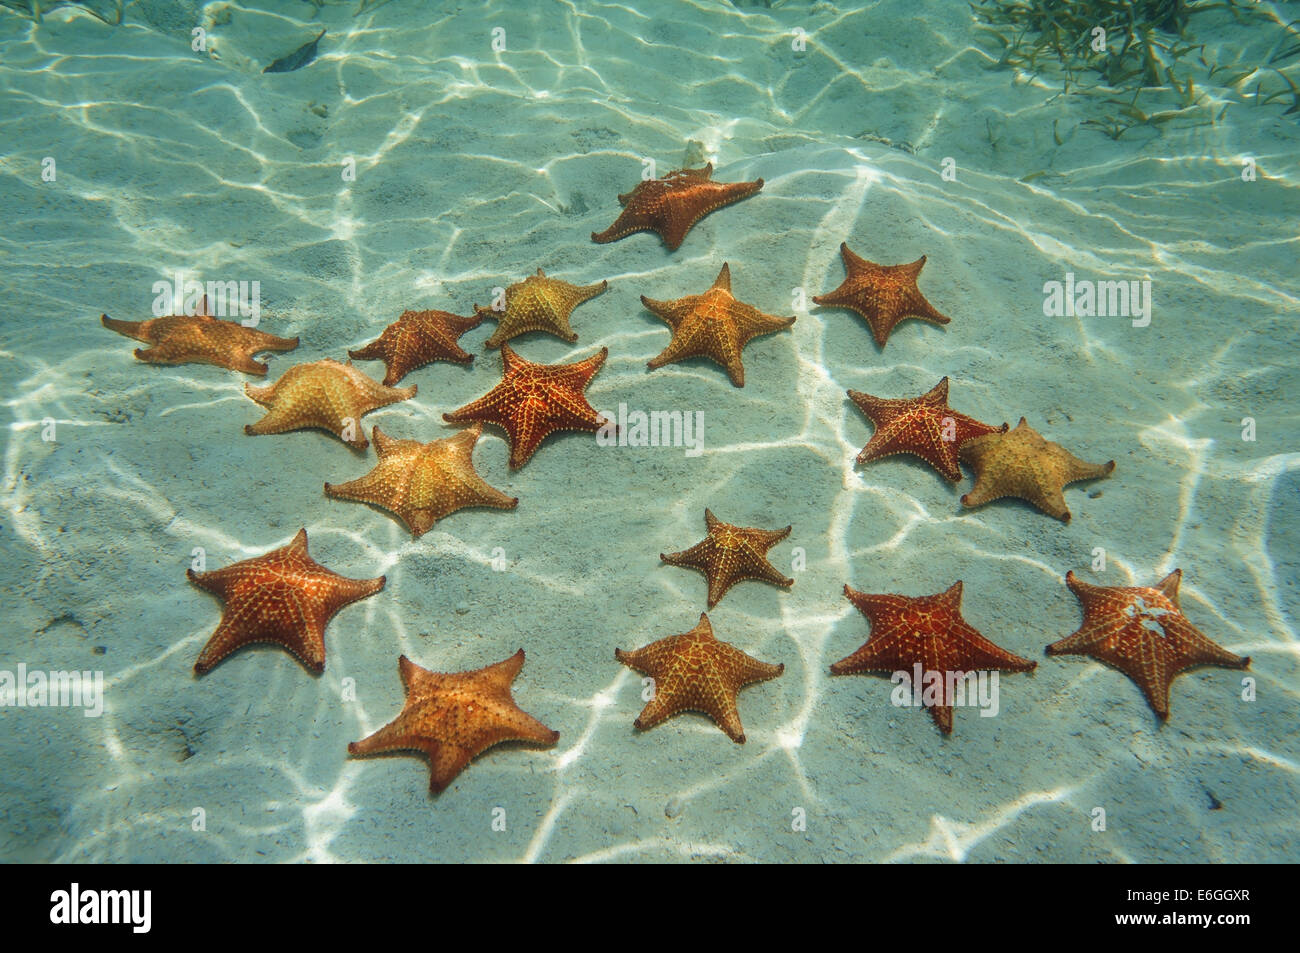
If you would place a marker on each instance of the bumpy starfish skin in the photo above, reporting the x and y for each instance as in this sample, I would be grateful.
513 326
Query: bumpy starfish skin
729 554
418 338
923 426
713 325
1142 631
882 294
696 672
671 205
535 400
200 339
538 303
926 629
423 482
453 717
284 596
1022 464
324 394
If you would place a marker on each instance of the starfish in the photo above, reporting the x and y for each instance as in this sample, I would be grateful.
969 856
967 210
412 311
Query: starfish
673 204
1142 631
713 325
883 294
696 672
1021 463
923 426
927 631
423 482
418 338
534 400
284 596
453 717
200 339
324 394
538 303
729 554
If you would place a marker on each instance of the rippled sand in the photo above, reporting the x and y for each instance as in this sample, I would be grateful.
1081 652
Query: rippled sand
475 168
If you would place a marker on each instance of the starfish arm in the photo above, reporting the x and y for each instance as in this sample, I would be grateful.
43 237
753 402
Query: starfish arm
344 591
726 716
1195 649
244 362
265 341
1076 469
697 557
670 312
755 324
132 329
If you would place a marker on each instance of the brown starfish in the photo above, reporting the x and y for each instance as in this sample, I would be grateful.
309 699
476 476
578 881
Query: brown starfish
1021 463
453 717
923 426
538 303
284 596
713 325
729 554
883 294
200 339
671 205
323 394
925 635
535 400
696 672
1142 631
418 338
423 482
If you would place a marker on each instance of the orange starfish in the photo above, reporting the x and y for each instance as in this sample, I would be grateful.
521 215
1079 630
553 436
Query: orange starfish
284 596
453 717
1142 631
926 634
418 338
713 325
671 205
883 294
538 303
200 339
729 554
323 394
696 672
535 400
1021 463
923 426
423 482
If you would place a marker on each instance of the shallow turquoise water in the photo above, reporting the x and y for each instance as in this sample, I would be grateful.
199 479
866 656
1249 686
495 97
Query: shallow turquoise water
476 166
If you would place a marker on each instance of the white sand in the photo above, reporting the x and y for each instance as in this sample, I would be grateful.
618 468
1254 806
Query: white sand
476 168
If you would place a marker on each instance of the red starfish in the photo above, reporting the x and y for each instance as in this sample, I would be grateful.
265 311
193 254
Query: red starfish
200 339
284 596
418 338
713 325
729 554
928 630
696 671
924 426
883 294
671 205
1142 631
454 716
534 400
